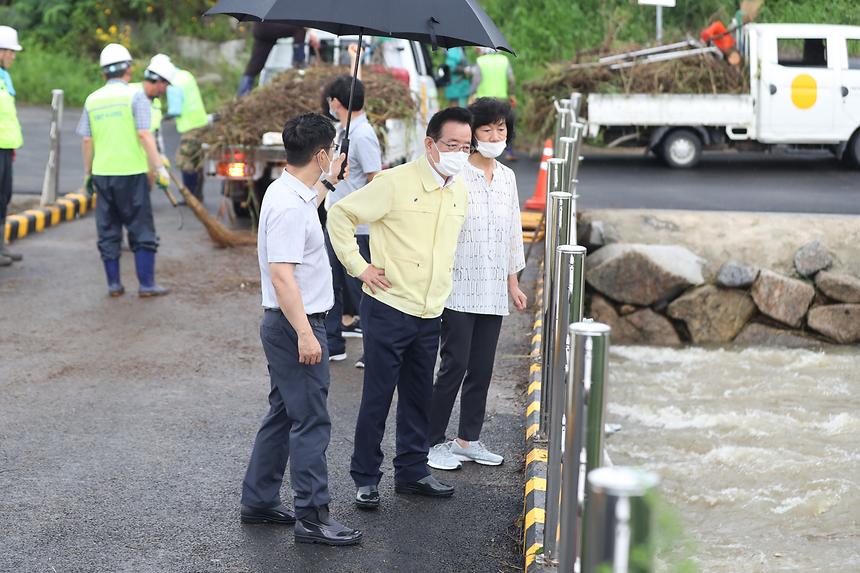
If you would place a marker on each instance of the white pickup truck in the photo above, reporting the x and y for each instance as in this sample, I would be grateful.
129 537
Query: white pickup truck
804 93
403 139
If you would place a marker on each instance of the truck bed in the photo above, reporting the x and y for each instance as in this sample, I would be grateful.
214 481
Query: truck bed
669 110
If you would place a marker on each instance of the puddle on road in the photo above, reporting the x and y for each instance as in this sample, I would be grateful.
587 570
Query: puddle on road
759 450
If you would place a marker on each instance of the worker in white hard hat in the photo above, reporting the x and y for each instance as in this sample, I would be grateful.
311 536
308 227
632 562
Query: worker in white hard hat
10 134
121 162
185 104
156 78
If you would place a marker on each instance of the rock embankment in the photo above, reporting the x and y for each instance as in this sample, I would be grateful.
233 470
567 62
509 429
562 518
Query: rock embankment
659 295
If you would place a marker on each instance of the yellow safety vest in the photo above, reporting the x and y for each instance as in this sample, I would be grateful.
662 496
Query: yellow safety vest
116 147
494 76
193 113
10 129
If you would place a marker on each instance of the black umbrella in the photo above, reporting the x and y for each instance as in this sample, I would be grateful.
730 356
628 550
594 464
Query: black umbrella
446 23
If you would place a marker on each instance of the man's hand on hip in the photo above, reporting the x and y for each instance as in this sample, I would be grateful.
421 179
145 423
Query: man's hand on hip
374 278
310 352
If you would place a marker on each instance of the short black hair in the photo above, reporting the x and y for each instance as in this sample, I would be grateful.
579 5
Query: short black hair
489 111
305 135
339 88
455 114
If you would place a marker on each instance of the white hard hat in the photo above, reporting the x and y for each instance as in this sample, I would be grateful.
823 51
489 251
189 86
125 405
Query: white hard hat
161 66
9 39
114 54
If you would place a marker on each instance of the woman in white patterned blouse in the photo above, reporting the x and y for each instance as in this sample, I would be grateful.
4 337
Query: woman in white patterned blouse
489 256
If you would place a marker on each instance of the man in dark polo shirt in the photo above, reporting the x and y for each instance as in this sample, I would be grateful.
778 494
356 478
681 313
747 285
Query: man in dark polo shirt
297 293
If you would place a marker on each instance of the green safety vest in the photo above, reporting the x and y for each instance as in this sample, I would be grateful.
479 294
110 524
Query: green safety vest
116 147
494 76
193 113
10 129
156 113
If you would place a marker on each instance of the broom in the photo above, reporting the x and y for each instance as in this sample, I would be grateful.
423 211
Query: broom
220 235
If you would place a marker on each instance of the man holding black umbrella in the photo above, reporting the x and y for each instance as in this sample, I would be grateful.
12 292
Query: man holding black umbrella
415 212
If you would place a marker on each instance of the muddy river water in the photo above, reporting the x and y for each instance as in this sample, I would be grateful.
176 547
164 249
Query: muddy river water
758 450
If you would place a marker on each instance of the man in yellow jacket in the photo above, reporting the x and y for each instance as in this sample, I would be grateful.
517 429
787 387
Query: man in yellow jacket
10 134
415 212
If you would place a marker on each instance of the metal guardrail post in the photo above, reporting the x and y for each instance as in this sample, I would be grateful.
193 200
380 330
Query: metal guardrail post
567 305
576 104
562 122
587 363
557 234
619 521
51 182
567 152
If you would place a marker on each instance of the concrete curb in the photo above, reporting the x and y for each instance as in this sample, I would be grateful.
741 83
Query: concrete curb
535 472
68 208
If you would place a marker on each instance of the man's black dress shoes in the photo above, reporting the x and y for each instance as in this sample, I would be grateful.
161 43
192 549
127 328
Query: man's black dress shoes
318 527
428 486
367 497
280 515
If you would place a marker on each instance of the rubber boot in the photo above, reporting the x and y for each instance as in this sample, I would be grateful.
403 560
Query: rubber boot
115 287
192 181
3 250
144 262
246 84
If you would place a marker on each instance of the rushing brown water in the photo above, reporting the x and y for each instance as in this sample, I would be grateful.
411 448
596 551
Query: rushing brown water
758 449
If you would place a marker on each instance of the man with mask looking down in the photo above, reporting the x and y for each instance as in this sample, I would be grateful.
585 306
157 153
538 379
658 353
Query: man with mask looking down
415 212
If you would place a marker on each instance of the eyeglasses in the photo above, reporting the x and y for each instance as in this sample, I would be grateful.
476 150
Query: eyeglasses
455 147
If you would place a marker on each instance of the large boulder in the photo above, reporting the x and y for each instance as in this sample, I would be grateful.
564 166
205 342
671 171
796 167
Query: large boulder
839 287
755 334
736 275
811 258
601 310
652 328
841 322
713 314
782 298
643 274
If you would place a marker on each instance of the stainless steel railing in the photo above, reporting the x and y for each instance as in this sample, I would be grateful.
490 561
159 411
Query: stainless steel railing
585 528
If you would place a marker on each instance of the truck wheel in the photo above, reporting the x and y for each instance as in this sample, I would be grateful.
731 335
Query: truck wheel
852 152
681 149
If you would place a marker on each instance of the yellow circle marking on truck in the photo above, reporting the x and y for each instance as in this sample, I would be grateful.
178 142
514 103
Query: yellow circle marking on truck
804 91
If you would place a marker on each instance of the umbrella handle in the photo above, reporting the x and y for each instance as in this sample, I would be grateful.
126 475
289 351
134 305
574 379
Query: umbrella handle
344 149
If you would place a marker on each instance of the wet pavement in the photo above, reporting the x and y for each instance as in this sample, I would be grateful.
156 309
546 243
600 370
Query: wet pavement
126 425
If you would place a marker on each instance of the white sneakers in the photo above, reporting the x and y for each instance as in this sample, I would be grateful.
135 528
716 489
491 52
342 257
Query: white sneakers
475 452
449 455
440 458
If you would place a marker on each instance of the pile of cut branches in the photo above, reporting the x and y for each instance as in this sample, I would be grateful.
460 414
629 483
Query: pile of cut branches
242 122
702 74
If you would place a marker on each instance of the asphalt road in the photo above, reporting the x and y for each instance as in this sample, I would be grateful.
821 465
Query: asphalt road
777 182
126 426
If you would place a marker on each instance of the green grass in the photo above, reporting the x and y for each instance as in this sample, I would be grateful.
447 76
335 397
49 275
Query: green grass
38 70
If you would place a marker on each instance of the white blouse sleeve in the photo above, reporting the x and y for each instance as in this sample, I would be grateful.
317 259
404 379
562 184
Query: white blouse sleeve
516 256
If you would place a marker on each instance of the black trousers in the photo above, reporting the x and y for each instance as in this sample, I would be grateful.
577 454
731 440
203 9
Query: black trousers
344 287
297 428
123 201
468 353
5 183
266 35
399 352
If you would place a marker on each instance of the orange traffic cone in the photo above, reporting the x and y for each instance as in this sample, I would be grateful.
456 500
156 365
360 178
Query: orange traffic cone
538 200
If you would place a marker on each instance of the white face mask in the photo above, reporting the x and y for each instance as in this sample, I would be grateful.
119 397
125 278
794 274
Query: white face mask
451 162
325 174
332 112
491 150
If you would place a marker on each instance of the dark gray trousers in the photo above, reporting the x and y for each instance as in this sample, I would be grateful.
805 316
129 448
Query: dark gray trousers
297 428
123 201
468 353
5 183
